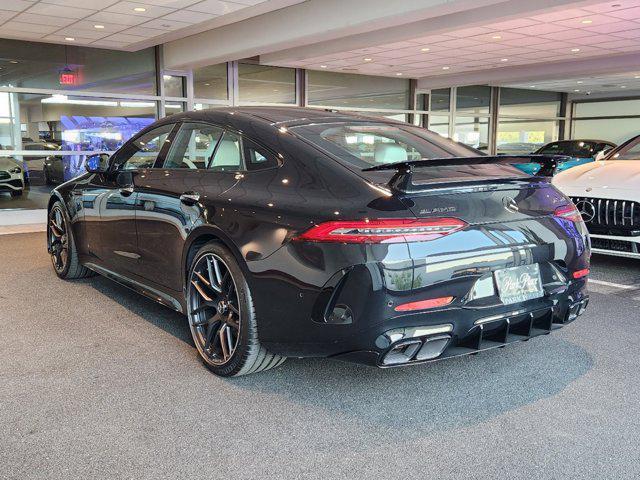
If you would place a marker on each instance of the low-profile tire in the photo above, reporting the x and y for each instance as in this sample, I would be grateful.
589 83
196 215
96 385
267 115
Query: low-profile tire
62 247
16 193
222 317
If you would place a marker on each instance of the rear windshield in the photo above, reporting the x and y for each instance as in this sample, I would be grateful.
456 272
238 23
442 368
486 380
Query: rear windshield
579 149
369 144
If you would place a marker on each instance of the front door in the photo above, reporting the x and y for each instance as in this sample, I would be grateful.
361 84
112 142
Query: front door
110 201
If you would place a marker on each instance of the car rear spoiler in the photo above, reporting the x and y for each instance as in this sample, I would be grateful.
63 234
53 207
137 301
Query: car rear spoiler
402 180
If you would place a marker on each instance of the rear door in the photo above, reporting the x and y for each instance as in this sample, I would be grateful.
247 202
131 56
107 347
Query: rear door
200 163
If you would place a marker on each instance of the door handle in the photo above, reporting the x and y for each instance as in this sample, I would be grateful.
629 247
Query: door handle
190 198
126 191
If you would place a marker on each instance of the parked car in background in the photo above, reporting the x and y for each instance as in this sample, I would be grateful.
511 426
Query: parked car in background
607 194
11 176
577 151
299 232
53 170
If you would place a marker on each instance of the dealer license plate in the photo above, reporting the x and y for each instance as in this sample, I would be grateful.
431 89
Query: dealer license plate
519 284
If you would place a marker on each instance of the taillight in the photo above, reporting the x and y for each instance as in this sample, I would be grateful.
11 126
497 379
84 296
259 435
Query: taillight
424 304
568 212
581 273
382 230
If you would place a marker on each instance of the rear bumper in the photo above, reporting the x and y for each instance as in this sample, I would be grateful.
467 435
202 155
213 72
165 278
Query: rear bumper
494 331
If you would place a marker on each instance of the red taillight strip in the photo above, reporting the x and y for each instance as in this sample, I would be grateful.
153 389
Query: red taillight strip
424 304
382 230
568 212
581 273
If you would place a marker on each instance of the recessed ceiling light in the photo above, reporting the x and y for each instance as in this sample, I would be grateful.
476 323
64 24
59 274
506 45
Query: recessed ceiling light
99 27
425 49
504 59
399 74
575 50
446 68
139 9
532 86
367 59
586 22
579 81
497 37
637 76
576 90
207 84
70 39
623 86
323 66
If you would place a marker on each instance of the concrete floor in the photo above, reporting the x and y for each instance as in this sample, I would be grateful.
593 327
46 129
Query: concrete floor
97 382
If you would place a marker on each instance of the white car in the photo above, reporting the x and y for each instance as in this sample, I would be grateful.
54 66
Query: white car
607 194
11 176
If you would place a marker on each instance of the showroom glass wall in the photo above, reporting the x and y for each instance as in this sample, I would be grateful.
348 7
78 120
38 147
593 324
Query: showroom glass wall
615 120
64 102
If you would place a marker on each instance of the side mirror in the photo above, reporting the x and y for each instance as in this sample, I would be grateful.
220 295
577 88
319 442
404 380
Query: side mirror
97 163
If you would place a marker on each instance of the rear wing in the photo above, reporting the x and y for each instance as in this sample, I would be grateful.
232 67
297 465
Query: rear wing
402 180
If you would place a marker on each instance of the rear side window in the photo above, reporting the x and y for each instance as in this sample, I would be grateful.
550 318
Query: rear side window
193 146
228 155
256 157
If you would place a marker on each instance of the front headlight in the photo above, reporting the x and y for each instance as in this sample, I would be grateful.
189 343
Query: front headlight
15 170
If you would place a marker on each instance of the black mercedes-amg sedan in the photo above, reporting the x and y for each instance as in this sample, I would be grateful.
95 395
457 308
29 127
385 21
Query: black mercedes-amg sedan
292 232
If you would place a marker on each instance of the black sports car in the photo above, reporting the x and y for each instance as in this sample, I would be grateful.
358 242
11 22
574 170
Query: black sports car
307 233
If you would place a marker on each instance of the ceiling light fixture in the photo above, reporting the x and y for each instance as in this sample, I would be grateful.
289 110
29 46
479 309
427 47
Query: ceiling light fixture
637 76
399 74
323 66
532 86
623 86
13 61
446 68
367 59
425 49
579 81
576 90
504 59
70 39
139 9
575 50
587 22
99 27
497 37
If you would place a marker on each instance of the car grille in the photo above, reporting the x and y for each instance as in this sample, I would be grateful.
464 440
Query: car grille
609 217
613 245
4 175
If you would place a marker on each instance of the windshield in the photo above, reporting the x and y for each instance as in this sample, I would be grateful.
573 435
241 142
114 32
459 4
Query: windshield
368 144
578 149
627 151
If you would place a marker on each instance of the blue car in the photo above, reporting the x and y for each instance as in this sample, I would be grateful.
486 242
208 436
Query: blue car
579 151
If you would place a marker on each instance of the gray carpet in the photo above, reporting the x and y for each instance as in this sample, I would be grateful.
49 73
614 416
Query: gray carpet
97 382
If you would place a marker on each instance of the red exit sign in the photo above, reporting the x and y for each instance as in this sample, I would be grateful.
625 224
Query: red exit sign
68 77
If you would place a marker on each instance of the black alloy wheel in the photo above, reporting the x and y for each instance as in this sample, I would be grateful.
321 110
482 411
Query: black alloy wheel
222 317
58 239
61 245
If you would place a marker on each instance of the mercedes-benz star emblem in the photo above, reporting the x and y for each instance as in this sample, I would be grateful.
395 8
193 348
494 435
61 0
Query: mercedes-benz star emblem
587 210
510 204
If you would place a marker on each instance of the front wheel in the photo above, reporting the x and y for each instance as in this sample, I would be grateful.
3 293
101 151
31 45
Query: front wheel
61 245
222 317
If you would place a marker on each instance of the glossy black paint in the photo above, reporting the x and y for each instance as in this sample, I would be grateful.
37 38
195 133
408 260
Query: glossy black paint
133 227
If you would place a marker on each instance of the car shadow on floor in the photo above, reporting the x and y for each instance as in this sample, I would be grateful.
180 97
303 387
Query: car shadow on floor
415 400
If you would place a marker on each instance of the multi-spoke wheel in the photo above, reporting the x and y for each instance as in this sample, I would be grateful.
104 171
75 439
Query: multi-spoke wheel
62 248
222 317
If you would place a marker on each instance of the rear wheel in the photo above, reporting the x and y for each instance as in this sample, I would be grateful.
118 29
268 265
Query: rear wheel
222 317
62 247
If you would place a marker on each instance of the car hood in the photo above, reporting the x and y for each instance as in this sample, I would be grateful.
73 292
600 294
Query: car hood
607 179
7 162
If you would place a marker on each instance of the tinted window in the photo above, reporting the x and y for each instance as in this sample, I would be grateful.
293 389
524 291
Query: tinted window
368 144
143 151
256 157
193 146
228 154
